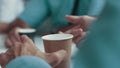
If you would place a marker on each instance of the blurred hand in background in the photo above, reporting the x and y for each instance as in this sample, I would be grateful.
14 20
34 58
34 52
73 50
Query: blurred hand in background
78 26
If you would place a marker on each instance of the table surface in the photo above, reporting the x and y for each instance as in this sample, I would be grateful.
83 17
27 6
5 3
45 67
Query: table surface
39 44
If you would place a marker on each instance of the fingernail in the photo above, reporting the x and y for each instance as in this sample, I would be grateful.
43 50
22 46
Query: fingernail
60 32
23 37
81 30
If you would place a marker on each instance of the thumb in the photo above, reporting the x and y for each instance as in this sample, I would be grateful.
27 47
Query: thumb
72 19
60 32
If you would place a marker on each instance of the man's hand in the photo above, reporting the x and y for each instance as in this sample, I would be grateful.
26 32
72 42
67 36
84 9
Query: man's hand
3 28
12 32
78 27
26 47
82 21
12 36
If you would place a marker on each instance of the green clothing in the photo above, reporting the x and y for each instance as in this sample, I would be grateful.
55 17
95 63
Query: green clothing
102 46
96 7
37 11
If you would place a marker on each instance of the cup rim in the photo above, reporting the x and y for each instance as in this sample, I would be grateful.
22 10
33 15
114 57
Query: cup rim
26 30
54 37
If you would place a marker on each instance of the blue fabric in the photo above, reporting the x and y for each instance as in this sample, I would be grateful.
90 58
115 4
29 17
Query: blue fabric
37 11
28 62
102 46
96 7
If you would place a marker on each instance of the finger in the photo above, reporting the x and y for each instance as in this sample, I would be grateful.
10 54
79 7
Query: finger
14 34
60 32
74 32
79 38
13 40
9 51
84 34
72 19
29 47
76 27
55 58
26 40
23 50
8 43
89 19
17 49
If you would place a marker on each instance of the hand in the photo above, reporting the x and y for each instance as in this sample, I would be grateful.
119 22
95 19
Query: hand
78 28
3 27
78 34
27 48
81 21
12 36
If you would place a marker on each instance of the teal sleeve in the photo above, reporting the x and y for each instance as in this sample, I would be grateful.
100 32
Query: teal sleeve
28 62
36 11
102 46
96 7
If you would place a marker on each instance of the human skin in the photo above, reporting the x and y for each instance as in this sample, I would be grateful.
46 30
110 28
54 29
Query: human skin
79 26
12 33
3 27
26 47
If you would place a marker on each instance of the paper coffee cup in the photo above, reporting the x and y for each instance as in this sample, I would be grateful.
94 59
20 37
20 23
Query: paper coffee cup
27 31
55 42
